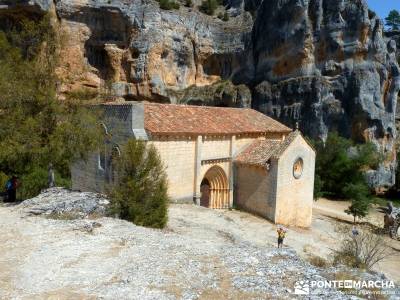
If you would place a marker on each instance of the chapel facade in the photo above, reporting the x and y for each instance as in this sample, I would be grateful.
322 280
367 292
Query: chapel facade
215 157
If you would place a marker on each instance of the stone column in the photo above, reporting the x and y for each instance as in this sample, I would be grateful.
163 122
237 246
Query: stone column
197 168
232 151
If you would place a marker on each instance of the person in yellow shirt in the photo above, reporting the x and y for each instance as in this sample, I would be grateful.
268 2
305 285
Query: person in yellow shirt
281 235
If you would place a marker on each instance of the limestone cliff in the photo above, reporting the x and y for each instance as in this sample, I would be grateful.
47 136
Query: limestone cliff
323 63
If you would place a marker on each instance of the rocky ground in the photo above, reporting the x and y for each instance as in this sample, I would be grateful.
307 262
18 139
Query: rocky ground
202 254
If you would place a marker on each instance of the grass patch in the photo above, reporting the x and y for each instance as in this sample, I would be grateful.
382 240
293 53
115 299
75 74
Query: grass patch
383 201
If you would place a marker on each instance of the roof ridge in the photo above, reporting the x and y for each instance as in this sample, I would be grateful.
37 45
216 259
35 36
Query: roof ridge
198 106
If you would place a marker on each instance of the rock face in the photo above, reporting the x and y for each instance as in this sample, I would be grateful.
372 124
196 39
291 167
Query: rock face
324 64
328 67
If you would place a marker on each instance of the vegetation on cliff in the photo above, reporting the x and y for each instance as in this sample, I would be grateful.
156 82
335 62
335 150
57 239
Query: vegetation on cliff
168 4
139 193
35 128
393 20
339 171
209 6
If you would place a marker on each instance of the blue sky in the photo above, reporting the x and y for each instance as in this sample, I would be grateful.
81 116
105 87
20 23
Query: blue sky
382 7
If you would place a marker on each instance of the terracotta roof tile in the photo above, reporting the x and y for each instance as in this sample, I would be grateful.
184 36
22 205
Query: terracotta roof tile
260 151
188 119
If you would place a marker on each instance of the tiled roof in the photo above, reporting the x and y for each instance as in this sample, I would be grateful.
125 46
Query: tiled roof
188 119
260 151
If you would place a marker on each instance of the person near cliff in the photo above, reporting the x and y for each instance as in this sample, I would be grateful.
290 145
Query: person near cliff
11 189
281 235
51 182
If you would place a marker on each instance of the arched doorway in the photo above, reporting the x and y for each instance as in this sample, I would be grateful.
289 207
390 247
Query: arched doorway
215 189
205 193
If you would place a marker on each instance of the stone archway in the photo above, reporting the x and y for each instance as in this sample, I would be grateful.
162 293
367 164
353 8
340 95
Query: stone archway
215 189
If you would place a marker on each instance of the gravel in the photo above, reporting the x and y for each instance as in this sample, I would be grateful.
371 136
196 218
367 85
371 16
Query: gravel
108 258
61 201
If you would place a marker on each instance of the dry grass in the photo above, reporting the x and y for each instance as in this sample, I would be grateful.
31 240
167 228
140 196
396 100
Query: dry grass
65 216
318 261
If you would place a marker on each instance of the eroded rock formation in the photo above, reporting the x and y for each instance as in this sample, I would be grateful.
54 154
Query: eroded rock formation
328 66
324 64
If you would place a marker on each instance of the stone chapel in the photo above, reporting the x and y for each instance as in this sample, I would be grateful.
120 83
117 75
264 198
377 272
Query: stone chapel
216 157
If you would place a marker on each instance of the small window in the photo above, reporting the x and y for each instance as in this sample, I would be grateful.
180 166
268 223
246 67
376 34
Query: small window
298 168
102 158
112 170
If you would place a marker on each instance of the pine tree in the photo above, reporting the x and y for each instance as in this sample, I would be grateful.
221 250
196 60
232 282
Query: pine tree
139 194
393 20
360 200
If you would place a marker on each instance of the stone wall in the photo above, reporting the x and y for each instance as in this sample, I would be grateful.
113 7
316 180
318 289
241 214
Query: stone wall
178 157
215 147
87 176
255 190
294 197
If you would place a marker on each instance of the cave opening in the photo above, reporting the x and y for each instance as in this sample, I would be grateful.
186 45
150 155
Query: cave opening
97 57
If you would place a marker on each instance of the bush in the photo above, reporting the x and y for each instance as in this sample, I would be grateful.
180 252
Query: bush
34 181
168 4
318 261
188 3
139 193
225 17
209 6
363 250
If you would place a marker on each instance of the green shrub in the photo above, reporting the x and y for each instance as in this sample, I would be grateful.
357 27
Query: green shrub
35 180
188 3
139 193
223 16
32 183
168 4
3 181
209 6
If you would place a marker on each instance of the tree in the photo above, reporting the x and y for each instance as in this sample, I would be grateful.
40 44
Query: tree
339 162
139 193
35 127
360 200
393 20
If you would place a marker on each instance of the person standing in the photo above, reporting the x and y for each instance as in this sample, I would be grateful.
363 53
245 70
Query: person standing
11 188
50 178
281 235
